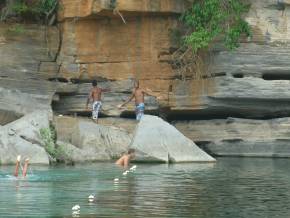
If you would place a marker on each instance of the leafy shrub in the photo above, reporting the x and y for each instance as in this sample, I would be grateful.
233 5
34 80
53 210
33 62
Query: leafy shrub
48 137
39 10
15 29
58 152
210 20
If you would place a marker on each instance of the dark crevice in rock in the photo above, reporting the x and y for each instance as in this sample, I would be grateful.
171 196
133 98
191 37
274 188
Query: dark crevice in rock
200 115
203 146
219 74
276 76
232 140
58 79
128 115
221 114
65 94
81 81
60 35
31 140
132 115
88 114
238 75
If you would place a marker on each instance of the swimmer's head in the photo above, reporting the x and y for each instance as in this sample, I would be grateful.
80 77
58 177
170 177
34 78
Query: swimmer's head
131 152
94 83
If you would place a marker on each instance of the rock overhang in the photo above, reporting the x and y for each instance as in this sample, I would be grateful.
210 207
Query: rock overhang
105 8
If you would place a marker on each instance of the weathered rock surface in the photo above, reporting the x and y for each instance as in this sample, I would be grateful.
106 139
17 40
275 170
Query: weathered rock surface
23 88
157 140
21 54
242 97
97 44
22 137
83 9
69 104
14 104
255 76
240 137
88 141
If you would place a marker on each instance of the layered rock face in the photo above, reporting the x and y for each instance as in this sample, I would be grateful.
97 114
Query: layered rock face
253 80
95 43
253 83
240 137
117 42
98 44
23 49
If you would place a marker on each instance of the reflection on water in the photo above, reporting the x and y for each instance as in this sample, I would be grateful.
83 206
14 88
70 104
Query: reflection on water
233 187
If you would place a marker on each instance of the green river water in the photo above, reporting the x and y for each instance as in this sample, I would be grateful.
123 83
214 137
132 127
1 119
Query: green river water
232 187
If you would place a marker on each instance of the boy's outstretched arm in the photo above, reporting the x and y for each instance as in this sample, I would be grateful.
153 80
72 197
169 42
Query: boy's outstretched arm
150 93
126 102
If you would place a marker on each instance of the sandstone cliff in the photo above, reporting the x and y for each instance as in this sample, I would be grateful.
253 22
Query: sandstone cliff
118 41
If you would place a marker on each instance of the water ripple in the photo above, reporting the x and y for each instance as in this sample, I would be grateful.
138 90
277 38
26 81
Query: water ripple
230 188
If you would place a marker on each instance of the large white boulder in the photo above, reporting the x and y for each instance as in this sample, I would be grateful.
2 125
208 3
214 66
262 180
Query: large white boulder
157 140
22 137
85 140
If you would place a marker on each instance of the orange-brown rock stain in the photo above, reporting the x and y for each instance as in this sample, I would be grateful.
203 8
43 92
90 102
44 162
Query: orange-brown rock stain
98 44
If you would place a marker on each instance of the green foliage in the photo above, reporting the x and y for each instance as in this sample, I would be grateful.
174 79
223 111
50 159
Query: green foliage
48 137
34 9
20 8
15 29
210 20
58 152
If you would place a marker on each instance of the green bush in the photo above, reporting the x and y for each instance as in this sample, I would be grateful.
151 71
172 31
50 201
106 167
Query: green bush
48 137
210 20
39 10
58 152
15 30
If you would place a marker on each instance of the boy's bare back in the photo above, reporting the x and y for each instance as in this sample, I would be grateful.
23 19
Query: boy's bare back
124 160
96 94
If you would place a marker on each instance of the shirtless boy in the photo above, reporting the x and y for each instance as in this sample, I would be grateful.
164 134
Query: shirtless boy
125 159
138 94
95 95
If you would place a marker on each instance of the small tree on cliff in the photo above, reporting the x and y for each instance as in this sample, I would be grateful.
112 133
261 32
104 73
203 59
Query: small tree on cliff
206 23
36 10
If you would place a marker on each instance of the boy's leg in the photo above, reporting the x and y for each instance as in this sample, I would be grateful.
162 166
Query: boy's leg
140 111
17 166
24 172
96 109
139 115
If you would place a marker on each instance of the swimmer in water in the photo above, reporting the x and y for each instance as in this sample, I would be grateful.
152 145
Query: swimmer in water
24 171
124 161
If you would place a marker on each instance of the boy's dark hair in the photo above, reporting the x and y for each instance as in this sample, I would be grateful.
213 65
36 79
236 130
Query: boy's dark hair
94 83
131 151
